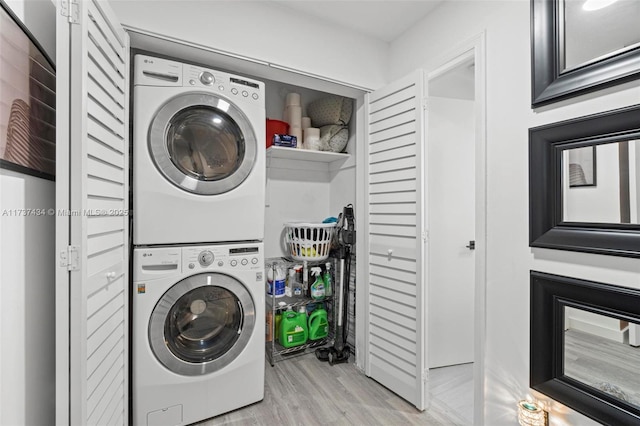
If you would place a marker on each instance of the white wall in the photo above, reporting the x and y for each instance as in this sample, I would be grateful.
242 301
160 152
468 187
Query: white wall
509 115
27 301
264 31
596 324
296 192
27 256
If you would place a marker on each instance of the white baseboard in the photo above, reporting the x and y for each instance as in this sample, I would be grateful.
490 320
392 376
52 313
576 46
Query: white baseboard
596 329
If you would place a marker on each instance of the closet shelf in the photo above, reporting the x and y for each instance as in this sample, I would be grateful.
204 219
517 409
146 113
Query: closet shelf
305 155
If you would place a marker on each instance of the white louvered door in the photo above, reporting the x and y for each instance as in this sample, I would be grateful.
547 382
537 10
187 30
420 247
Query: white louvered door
92 143
395 243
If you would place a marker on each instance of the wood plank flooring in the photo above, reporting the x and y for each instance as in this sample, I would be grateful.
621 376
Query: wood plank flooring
452 387
604 364
305 391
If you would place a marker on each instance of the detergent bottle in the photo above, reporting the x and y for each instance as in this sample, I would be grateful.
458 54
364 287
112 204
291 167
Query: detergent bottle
276 280
293 328
316 290
318 324
276 327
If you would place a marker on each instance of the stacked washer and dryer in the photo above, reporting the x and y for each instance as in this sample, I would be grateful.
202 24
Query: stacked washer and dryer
198 228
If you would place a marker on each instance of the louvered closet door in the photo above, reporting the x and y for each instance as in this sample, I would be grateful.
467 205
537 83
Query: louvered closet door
95 62
396 290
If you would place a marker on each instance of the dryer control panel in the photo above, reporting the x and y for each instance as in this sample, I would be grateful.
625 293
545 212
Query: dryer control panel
152 71
211 258
233 86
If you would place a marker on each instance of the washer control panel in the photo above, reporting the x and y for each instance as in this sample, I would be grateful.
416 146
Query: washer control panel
151 264
207 258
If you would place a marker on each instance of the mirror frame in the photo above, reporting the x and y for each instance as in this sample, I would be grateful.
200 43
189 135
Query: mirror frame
546 144
549 295
548 82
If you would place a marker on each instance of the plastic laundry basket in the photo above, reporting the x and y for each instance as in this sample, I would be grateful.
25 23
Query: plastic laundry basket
308 241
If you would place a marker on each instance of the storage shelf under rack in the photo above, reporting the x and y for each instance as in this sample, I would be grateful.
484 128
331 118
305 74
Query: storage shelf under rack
281 350
276 352
293 302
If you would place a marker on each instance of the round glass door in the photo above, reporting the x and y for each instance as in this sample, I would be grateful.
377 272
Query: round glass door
201 324
202 143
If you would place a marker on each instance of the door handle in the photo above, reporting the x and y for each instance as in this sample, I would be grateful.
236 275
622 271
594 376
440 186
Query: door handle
472 245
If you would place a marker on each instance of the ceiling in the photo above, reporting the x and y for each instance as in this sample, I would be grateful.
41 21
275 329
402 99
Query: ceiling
382 19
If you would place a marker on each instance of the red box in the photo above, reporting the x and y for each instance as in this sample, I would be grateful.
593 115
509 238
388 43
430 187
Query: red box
275 127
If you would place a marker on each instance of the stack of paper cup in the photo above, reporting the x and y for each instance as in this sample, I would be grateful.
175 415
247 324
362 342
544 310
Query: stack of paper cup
297 132
293 116
312 138
292 98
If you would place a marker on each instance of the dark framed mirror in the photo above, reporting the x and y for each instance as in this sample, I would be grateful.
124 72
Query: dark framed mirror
578 46
569 209
584 346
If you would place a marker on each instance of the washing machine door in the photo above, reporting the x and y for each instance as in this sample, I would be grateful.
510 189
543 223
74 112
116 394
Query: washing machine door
202 143
201 324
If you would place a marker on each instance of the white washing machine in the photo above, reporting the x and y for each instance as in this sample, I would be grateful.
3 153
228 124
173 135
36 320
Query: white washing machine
198 340
198 154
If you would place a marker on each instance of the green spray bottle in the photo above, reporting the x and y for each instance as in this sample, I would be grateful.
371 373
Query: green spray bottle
326 277
317 288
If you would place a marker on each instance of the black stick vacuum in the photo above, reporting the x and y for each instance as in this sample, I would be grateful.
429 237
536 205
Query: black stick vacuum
346 237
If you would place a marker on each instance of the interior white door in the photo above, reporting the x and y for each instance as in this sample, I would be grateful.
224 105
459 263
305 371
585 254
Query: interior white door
451 266
395 336
92 226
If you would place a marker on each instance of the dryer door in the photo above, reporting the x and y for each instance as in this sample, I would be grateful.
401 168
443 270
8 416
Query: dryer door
201 324
202 143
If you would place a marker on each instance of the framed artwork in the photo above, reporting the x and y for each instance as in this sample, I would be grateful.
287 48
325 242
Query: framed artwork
28 101
582 166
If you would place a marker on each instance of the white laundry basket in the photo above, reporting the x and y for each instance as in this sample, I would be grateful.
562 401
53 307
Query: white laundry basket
308 241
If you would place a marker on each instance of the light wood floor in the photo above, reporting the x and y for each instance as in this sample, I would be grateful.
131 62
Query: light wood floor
600 362
452 387
305 391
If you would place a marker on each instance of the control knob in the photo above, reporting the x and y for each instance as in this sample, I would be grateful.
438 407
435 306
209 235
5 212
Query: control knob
207 78
205 258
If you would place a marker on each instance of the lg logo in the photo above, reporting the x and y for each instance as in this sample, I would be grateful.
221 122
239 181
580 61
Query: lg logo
147 254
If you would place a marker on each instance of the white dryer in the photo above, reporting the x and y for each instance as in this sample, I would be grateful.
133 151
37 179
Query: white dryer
198 154
198 321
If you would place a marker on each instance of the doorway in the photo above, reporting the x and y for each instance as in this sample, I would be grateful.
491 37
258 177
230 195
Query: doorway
455 217
451 216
